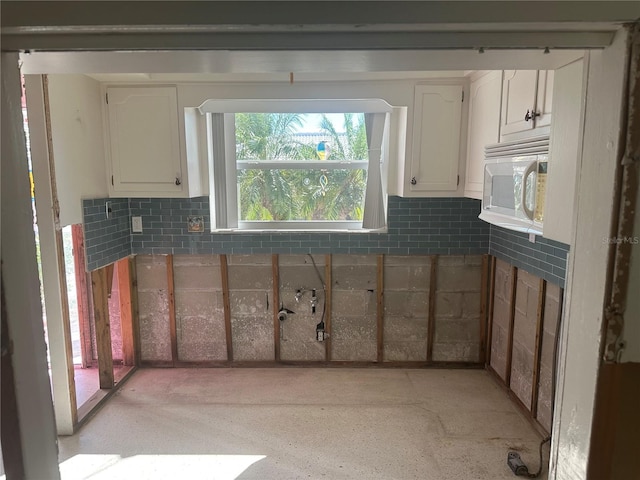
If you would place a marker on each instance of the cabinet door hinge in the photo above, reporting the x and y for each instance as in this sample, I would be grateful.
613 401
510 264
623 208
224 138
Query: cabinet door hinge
458 183
462 96
112 180
106 97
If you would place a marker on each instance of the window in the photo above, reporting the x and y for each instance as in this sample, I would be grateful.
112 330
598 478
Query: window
296 164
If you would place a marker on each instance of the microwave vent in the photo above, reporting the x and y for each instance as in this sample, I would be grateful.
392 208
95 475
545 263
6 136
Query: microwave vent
528 146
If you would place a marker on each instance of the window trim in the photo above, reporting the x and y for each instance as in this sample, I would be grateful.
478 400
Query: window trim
220 121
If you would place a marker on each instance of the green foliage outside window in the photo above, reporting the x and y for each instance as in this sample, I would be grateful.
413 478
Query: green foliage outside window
299 194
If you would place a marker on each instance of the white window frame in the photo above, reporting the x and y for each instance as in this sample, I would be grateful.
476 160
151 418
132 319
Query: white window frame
220 121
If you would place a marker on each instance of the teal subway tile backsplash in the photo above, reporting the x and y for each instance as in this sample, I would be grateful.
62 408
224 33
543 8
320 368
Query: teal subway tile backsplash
544 258
416 226
106 240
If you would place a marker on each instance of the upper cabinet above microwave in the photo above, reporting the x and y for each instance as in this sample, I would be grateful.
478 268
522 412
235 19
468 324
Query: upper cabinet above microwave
526 103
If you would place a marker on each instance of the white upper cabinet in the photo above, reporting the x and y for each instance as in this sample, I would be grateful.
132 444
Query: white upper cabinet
143 138
484 127
436 140
526 102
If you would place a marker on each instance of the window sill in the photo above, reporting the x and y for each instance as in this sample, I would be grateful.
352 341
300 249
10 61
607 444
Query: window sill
297 230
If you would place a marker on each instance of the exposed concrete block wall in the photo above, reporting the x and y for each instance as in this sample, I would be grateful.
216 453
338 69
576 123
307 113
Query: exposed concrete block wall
200 315
501 317
406 307
298 331
551 317
524 336
153 307
457 309
354 306
251 302
200 328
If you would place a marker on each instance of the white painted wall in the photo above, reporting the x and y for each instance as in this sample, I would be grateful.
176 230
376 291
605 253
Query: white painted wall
587 269
78 143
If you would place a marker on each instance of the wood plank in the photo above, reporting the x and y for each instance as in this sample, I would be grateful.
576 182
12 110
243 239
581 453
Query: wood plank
312 364
380 309
66 326
328 288
103 327
173 329
535 383
126 312
492 293
484 288
431 321
135 311
82 294
224 273
538 427
276 306
512 317
59 245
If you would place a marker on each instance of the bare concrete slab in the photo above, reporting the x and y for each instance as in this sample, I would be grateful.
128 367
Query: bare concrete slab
303 423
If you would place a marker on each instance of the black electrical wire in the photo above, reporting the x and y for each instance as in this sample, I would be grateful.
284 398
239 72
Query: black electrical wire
324 288
537 474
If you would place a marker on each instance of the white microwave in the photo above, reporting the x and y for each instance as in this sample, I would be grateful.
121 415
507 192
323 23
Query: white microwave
515 185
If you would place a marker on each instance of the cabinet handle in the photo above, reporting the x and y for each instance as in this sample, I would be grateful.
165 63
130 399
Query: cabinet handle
178 182
413 180
530 115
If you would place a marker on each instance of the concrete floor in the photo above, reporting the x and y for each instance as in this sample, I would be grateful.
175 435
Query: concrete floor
290 423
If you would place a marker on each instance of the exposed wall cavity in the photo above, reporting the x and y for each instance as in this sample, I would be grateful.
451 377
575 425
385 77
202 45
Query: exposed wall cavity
153 306
524 336
200 329
524 328
298 279
353 321
352 318
501 317
457 312
406 307
547 353
251 302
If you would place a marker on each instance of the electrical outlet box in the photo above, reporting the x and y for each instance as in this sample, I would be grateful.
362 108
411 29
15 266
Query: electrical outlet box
136 224
108 210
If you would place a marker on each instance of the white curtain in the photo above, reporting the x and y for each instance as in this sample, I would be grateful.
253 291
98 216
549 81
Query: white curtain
374 215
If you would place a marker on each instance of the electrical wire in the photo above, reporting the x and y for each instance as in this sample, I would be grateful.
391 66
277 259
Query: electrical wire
324 288
537 474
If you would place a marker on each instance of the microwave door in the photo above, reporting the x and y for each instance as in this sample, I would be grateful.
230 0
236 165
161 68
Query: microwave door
508 189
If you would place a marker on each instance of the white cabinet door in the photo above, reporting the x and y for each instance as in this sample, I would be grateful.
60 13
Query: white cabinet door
144 141
544 97
518 97
436 138
484 128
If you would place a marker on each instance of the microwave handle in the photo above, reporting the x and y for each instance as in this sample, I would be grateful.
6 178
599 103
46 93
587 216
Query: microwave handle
530 170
